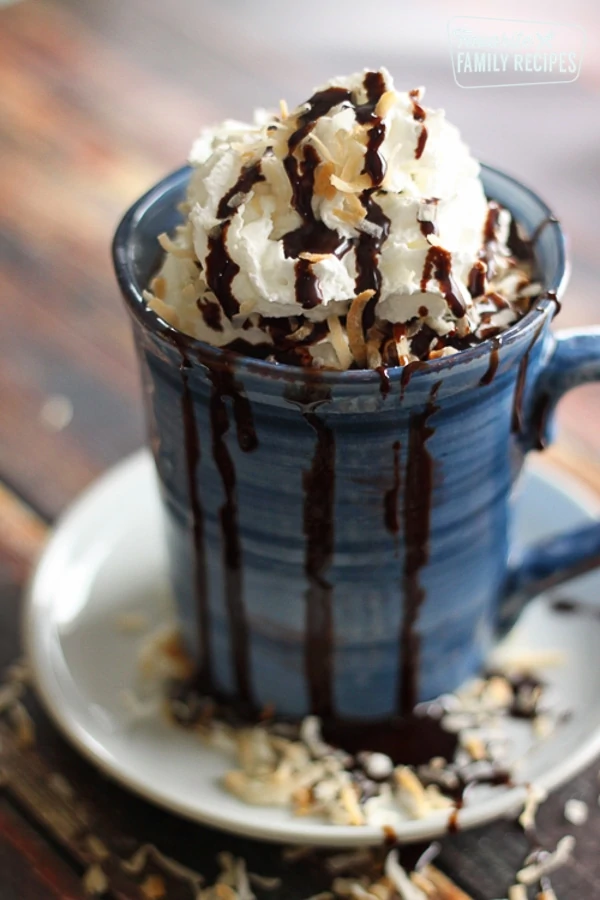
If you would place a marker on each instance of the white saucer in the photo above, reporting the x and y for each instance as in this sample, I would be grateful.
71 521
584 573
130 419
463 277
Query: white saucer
106 558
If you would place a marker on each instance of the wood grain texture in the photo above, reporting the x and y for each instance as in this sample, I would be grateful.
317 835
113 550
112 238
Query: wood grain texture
29 868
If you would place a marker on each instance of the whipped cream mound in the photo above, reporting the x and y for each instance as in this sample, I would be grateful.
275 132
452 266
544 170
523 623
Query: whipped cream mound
353 232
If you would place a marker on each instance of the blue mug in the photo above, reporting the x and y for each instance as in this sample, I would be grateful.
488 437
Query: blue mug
339 542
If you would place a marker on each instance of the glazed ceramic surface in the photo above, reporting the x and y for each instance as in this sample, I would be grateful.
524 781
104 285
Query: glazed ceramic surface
339 542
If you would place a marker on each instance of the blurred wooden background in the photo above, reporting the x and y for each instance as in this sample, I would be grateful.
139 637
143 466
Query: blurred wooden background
101 97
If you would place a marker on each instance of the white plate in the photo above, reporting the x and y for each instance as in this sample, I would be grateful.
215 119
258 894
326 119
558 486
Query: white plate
107 558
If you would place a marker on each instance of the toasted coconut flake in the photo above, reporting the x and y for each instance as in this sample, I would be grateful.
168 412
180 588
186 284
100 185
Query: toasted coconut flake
353 155
354 327
322 183
19 672
400 880
374 359
9 694
96 847
324 895
314 257
321 147
350 802
159 287
162 655
190 292
517 892
351 187
283 110
475 747
169 246
154 887
167 313
347 216
95 882
340 342
576 811
22 724
412 793
445 889
355 206
265 882
385 104
547 894
61 787
546 863
137 864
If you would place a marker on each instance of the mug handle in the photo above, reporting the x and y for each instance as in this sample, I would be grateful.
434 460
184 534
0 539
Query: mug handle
574 360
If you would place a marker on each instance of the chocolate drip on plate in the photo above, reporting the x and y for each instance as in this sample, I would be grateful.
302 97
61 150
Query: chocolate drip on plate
489 376
223 385
192 461
319 498
410 741
418 491
438 263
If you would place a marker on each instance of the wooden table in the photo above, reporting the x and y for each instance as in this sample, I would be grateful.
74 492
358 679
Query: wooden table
98 100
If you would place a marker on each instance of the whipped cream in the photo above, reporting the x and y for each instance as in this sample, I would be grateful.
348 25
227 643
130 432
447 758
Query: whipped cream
353 231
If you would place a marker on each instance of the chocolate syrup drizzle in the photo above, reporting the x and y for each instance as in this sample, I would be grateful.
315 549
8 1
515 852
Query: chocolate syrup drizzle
318 105
385 384
489 376
374 165
312 236
368 251
192 460
438 263
221 270
517 425
418 491
319 498
224 385
390 498
419 115
249 176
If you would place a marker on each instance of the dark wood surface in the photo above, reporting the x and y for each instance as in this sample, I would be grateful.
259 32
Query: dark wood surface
98 100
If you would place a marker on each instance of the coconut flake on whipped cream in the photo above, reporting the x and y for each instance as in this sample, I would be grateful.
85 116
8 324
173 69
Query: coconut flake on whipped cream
351 232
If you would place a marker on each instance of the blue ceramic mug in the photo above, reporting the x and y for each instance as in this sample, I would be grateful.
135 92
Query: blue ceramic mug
339 543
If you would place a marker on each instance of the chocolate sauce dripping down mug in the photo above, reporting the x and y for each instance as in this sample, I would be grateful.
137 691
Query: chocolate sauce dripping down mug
337 548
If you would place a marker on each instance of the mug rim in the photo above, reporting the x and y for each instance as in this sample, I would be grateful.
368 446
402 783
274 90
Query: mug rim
215 357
